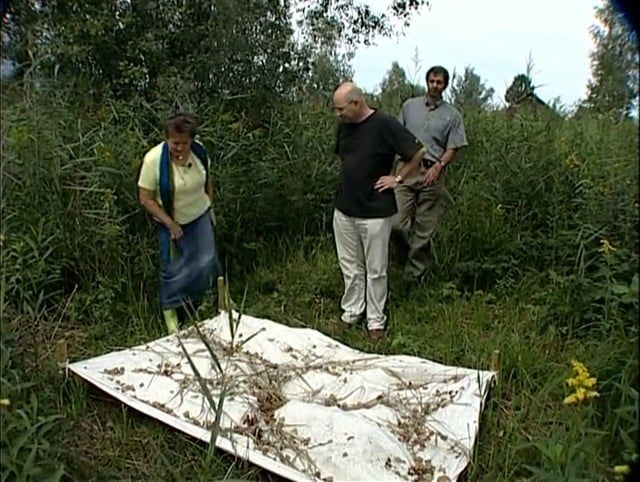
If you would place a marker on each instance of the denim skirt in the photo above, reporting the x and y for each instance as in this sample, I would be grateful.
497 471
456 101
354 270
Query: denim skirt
189 264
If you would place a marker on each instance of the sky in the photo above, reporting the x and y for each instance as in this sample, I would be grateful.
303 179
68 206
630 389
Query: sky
496 38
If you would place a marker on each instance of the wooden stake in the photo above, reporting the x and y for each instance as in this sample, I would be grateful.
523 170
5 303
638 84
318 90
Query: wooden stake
60 352
222 294
495 361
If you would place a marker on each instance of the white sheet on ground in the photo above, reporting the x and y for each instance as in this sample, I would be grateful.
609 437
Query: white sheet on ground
302 405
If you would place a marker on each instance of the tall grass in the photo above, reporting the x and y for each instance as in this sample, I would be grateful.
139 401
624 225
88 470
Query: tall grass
520 262
536 194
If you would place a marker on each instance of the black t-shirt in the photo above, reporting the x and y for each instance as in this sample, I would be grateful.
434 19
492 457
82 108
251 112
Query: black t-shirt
368 150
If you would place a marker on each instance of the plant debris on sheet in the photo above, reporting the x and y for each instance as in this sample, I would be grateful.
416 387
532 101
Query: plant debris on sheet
301 404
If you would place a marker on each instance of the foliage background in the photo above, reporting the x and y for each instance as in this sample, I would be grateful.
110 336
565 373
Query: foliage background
521 262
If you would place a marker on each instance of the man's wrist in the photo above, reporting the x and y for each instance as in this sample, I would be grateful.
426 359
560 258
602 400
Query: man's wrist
399 179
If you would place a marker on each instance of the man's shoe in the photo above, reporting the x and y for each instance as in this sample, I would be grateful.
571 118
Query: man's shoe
377 335
341 327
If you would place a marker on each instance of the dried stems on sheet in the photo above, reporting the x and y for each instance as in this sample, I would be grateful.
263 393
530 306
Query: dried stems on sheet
260 383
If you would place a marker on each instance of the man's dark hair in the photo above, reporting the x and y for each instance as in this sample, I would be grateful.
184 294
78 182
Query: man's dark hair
181 123
438 70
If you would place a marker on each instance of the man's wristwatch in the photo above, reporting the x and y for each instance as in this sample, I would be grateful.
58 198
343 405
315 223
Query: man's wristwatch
399 179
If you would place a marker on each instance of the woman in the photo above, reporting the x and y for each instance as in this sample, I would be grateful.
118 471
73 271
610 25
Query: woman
174 188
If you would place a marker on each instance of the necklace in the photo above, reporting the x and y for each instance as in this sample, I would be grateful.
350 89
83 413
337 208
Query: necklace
179 169
179 160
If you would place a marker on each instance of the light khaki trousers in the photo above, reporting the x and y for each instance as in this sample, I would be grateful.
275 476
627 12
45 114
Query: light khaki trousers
363 254
419 210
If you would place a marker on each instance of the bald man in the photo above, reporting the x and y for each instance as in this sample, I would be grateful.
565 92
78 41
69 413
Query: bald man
367 143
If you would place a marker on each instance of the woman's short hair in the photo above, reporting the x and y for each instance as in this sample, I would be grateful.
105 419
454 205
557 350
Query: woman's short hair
181 123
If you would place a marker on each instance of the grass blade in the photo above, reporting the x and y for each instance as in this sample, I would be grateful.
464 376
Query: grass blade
250 337
216 423
207 393
206 343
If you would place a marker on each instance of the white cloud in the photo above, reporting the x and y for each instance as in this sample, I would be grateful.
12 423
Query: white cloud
495 37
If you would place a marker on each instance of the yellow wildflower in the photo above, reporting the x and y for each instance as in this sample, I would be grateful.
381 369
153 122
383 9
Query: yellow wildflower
583 383
580 395
622 470
4 402
592 394
579 367
571 399
606 247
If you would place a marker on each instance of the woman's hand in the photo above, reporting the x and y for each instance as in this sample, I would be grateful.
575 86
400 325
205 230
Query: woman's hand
175 230
147 199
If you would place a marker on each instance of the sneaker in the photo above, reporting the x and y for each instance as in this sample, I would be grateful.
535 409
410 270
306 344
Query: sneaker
171 320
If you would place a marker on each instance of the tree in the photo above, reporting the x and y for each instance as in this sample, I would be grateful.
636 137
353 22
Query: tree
160 49
396 88
521 97
613 89
520 90
468 92
326 63
241 49
354 21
